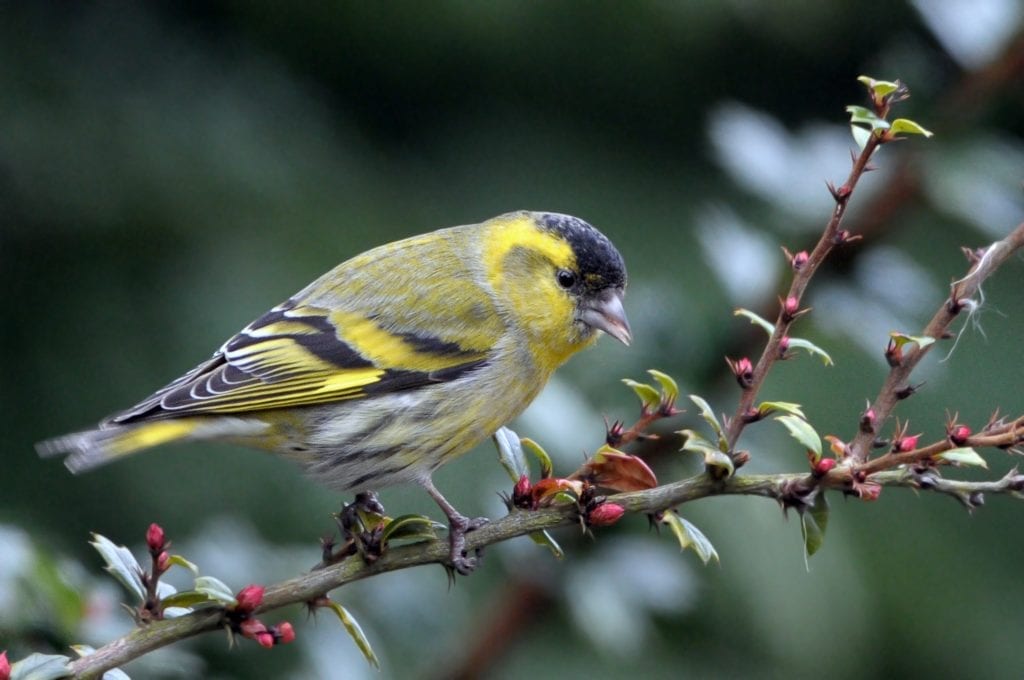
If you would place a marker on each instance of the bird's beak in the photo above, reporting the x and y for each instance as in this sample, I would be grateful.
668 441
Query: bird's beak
604 312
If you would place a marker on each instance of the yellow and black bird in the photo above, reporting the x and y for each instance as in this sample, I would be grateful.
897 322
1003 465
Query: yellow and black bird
394 362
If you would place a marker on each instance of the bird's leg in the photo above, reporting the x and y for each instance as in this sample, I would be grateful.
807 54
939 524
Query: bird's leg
458 525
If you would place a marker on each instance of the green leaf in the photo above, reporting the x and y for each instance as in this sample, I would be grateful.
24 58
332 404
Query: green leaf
879 87
121 564
766 407
41 667
187 598
802 431
963 456
510 453
861 115
755 319
355 632
649 397
690 537
813 523
669 388
113 674
545 539
860 135
182 562
546 467
708 415
216 590
410 527
903 125
794 343
901 339
713 457
800 343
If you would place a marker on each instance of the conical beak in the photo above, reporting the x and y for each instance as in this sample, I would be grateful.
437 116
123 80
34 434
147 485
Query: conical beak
604 312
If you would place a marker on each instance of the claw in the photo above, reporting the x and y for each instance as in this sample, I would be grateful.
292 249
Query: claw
458 526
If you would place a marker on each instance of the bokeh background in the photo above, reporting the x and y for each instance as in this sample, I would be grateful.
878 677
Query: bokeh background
170 170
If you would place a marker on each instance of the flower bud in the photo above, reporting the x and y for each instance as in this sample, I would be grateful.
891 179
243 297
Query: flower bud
605 515
285 633
5 666
904 444
265 640
163 562
743 370
822 467
155 538
867 421
790 307
958 434
251 627
249 598
799 260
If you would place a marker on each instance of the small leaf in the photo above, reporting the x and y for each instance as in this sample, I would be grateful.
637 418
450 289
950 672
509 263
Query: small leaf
41 667
690 537
802 431
216 590
187 598
757 320
557 490
510 453
713 456
860 135
121 564
649 397
545 539
878 87
613 469
410 527
708 415
813 523
800 343
903 125
546 468
861 115
766 407
668 385
182 562
901 339
355 632
963 456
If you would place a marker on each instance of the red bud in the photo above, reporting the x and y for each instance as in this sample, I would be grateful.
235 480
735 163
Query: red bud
250 628
155 538
799 260
822 467
958 434
521 492
285 633
5 666
249 598
905 444
605 515
265 640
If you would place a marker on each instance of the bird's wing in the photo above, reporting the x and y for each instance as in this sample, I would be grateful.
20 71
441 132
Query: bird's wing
392 321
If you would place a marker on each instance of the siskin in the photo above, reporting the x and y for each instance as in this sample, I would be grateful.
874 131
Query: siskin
394 362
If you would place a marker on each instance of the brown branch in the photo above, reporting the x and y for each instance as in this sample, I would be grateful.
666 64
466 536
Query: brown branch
785 488
962 294
830 238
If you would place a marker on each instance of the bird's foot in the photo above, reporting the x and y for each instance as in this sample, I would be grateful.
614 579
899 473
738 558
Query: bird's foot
458 526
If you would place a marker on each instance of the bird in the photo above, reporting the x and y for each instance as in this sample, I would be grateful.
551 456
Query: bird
395 362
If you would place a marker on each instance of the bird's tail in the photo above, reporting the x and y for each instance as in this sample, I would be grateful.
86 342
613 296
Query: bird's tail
92 448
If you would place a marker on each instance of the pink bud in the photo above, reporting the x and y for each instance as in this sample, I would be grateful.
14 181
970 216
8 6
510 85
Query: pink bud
522 488
799 260
251 627
265 639
155 537
249 598
791 306
907 443
959 434
285 633
163 562
5 666
822 467
605 515
784 343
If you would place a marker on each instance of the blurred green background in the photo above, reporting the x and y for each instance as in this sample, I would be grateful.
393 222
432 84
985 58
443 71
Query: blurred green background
168 171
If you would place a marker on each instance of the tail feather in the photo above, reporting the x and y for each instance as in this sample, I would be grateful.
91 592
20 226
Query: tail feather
93 448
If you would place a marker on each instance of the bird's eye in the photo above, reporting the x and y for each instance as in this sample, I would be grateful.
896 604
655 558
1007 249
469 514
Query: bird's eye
566 279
